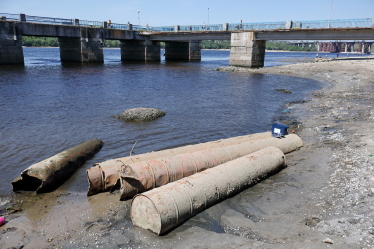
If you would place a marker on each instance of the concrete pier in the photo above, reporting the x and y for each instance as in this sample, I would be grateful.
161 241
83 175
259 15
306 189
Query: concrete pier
10 44
140 50
246 51
183 51
87 48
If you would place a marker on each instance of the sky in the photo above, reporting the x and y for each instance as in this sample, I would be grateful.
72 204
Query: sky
192 12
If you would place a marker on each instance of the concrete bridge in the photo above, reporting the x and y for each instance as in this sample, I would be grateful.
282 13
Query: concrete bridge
82 41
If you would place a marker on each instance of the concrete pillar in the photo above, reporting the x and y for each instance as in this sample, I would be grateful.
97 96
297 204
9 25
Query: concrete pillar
140 50
11 51
183 51
87 48
246 51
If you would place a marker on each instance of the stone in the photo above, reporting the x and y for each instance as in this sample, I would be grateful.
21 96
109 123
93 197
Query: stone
328 241
140 114
284 90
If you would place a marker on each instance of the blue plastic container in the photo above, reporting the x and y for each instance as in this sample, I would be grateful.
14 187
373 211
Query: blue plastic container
279 130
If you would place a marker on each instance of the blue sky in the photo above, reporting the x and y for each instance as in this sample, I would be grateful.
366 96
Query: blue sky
190 12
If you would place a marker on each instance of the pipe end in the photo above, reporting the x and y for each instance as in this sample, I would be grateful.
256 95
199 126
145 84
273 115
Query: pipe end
145 215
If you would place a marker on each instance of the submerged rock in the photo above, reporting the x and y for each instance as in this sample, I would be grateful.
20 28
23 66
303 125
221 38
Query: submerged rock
141 114
284 90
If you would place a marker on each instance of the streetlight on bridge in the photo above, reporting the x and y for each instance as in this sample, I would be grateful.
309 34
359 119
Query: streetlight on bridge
139 18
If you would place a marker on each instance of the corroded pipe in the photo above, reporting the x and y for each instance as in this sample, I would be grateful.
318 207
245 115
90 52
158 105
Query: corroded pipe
139 177
161 209
50 173
104 176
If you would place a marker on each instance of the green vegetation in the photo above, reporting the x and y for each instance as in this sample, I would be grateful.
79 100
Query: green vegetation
32 41
112 44
288 47
215 44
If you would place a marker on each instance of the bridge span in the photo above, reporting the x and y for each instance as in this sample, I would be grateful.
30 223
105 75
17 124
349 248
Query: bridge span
82 41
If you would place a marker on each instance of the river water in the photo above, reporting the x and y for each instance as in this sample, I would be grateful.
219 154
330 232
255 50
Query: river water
47 107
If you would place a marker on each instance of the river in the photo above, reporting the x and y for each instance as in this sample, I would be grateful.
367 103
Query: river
47 106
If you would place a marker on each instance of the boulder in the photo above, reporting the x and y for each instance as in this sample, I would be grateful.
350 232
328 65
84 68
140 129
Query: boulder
140 114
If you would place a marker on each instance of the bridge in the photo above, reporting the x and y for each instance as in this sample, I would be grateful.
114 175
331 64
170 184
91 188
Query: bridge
82 41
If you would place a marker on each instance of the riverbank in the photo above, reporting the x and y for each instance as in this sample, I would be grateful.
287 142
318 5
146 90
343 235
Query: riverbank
323 199
335 198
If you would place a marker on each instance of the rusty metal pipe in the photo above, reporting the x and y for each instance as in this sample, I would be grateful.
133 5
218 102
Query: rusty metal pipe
161 209
104 176
139 177
50 173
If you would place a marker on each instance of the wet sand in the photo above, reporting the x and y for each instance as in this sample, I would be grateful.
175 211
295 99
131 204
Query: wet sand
323 199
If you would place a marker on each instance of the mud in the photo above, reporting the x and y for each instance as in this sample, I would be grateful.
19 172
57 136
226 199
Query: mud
323 199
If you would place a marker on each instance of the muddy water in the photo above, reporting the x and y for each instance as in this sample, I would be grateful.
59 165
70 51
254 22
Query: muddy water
47 107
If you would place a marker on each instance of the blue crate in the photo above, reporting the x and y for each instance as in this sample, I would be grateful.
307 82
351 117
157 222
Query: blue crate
279 130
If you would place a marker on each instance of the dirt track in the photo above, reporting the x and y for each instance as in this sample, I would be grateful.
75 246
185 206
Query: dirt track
323 199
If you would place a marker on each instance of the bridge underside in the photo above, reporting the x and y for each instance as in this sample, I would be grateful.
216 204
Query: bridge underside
183 51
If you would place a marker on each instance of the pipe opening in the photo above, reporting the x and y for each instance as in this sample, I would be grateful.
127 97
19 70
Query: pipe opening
26 183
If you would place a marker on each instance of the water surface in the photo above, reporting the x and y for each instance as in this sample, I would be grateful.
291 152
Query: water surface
47 107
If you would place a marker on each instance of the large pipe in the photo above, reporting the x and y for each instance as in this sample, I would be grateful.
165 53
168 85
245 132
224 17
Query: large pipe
104 176
50 173
161 209
139 177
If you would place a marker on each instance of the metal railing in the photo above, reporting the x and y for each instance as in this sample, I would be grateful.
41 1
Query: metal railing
345 23
11 17
257 26
93 24
321 24
164 29
49 20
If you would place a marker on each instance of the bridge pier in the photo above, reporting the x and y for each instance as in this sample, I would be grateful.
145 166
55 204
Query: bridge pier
140 50
11 51
246 51
183 51
87 48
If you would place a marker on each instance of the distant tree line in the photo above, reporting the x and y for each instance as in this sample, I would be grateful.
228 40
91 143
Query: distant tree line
33 41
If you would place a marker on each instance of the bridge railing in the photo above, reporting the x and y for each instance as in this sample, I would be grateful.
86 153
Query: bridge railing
322 24
49 20
11 17
337 23
164 29
118 26
94 24
257 26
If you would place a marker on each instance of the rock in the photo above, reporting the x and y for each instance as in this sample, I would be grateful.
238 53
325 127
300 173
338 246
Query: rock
284 90
328 241
311 222
140 114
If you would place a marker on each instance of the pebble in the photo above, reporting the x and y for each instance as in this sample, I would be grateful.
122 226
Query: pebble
328 241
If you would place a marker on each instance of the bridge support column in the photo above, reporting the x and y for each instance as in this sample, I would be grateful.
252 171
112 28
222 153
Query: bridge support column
87 48
11 51
246 51
136 50
183 51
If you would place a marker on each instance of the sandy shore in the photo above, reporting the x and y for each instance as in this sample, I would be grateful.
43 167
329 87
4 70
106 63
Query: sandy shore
323 199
